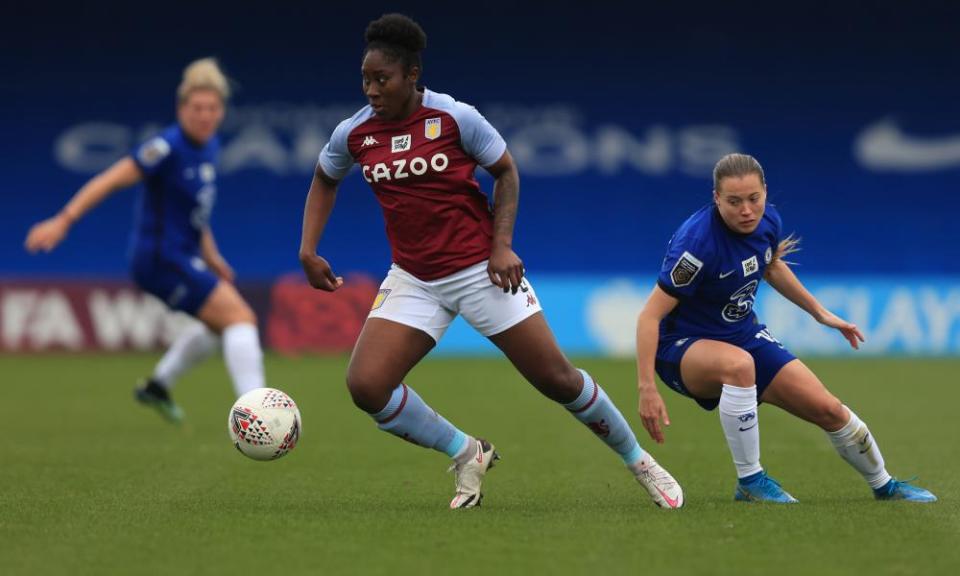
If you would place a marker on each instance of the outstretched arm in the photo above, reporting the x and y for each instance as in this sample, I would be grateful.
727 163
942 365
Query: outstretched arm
781 277
652 409
505 267
46 235
320 201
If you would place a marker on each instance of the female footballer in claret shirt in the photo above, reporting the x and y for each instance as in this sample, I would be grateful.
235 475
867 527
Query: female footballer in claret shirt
418 150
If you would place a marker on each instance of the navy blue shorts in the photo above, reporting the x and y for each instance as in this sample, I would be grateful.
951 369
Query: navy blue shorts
769 356
182 281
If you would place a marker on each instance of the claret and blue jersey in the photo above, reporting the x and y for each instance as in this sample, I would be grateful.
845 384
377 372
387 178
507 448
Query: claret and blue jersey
421 169
180 188
715 272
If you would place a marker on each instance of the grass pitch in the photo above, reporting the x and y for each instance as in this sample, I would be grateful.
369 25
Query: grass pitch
91 483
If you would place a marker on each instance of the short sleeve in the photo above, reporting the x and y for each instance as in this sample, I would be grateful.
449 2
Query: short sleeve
683 267
335 158
477 136
152 155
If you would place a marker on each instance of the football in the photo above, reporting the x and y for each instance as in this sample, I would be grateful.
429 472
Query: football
264 424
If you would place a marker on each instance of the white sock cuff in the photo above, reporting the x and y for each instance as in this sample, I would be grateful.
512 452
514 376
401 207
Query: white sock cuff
848 434
242 331
735 399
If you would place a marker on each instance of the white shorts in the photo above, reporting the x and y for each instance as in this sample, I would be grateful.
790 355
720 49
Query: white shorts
432 306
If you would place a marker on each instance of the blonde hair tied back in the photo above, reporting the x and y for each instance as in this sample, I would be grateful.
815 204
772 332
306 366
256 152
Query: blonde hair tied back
203 74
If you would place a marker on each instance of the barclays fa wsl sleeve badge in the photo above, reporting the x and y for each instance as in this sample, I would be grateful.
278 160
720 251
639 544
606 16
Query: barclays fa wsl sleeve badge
685 270
155 150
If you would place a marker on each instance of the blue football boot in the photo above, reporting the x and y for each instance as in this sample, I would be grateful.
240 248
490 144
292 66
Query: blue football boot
903 490
761 488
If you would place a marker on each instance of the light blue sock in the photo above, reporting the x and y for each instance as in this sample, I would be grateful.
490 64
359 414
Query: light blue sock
594 408
407 416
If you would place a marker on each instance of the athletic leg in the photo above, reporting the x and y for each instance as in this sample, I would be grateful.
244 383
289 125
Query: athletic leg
533 350
226 312
193 345
712 369
797 390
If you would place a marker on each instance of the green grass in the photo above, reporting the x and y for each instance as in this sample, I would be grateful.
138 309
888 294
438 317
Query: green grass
91 483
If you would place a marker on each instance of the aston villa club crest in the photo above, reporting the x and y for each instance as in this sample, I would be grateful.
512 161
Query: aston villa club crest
431 128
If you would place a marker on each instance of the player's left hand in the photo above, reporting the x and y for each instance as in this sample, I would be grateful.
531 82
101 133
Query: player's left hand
505 269
319 273
653 411
223 270
849 331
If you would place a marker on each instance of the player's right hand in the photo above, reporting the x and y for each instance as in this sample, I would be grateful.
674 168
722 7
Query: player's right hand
652 412
319 273
47 234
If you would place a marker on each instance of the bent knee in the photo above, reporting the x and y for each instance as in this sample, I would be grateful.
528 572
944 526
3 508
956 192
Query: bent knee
367 393
738 369
561 383
244 314
831 415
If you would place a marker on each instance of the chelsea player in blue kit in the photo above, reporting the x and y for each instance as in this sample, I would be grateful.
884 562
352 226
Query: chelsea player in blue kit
699 332
173 252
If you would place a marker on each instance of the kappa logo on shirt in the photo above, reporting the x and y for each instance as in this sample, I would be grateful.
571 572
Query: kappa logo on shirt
400 143
369 141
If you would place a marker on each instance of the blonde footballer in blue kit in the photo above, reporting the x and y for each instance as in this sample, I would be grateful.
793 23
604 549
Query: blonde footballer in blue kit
699 332
173 254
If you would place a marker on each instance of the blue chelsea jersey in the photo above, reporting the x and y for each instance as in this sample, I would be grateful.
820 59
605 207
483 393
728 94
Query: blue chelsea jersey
179 192
715 272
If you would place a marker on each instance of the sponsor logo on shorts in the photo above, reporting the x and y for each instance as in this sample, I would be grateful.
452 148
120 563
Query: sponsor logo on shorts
381 296
177 296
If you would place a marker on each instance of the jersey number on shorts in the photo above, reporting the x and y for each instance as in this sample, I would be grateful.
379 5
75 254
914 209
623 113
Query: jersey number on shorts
741 302
766 335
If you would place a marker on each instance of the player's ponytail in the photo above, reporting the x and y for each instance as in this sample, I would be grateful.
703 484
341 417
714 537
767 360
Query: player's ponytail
788 245
203 74
399 37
